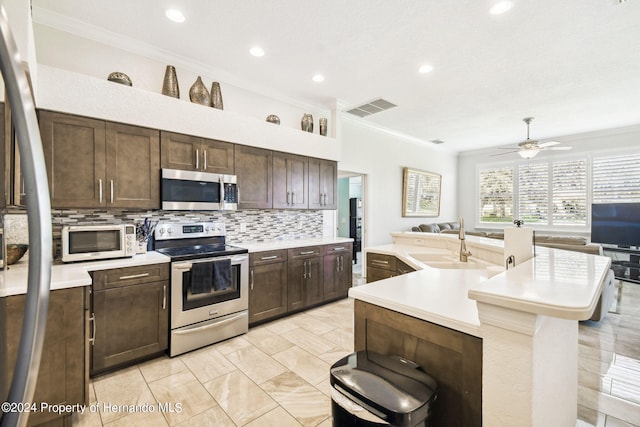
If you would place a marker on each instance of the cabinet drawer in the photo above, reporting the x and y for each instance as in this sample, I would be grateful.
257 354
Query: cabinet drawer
338 248
267 257
117 277
307 251
386 262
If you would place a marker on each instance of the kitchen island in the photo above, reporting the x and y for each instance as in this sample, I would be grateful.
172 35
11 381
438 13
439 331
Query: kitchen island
526 319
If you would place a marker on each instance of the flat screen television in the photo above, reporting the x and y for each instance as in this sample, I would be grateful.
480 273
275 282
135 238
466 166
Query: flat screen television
615 223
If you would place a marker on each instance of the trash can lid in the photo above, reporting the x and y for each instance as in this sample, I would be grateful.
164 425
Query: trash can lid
394 387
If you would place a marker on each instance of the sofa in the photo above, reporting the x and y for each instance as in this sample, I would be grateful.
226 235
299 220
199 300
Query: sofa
569 243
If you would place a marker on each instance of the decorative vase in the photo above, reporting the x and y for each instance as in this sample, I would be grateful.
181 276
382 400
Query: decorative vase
323 126
216 96
307 123
199 94
119 77
170 82
272 118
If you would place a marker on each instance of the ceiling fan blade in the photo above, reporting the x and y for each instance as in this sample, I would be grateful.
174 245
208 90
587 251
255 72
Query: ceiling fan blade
563 147
507 148
502 154
548 144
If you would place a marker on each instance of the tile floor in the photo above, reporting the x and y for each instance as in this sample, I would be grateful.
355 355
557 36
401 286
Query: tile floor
277 375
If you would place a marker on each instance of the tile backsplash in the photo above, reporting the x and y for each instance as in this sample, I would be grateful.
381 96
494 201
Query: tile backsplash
261 225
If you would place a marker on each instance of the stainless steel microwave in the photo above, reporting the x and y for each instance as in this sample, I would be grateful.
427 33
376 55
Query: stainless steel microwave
192 191
94 242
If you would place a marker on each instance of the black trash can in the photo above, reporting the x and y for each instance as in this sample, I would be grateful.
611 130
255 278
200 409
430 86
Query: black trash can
370 389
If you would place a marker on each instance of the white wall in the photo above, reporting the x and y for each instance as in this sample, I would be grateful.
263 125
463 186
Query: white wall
619 140
382 156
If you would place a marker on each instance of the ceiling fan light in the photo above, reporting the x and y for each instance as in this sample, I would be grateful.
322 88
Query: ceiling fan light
528 154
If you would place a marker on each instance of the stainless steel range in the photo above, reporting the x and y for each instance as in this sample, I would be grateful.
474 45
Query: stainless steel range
209 284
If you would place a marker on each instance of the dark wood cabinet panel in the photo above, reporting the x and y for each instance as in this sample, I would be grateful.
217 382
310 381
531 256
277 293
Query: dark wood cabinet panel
323 184
92 163
179 151
453 358
133 166
305 277
130 309
267 285
290 181
75 156
383 266
187 152
62 377
254 168
375 274
337 271
218 157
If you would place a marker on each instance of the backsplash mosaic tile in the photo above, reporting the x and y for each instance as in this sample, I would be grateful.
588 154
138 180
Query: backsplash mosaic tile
259 225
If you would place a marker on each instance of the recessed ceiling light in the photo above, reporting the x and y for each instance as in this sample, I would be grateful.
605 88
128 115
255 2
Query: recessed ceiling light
426 68
175 15
256 51
500 7
318 78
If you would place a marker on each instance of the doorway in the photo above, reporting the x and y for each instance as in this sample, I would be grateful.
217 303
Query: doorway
350 221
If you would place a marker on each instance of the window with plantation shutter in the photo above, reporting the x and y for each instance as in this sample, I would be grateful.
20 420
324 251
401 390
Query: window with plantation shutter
616 179
496 195
533 193
569 192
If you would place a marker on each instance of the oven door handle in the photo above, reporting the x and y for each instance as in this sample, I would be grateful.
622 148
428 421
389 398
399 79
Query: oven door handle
208 325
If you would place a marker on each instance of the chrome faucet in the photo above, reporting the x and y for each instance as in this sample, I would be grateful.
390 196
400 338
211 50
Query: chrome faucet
464 253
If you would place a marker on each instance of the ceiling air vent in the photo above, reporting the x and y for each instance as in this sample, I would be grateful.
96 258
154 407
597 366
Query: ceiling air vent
371 107
437 141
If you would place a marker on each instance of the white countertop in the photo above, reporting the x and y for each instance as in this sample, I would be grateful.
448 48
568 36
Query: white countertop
13 281
288 244
556 283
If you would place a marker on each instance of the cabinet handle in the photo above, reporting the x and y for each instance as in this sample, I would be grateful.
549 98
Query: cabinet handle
293 198
304 276
337 264
100 189
288 197
251 278
204 153
341 262
164 297
306 252
92 319
111 184
325 199
134 276
379 262
309 273
197 159
268 257
340 248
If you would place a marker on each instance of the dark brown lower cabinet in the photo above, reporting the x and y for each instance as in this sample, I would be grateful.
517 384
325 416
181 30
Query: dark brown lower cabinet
130 308
305 277
383 266
63 375
338 266
453 358
267 285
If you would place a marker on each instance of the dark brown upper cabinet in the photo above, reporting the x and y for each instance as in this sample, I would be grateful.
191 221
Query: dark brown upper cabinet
254 167
92 163
290 181
192 153
323 184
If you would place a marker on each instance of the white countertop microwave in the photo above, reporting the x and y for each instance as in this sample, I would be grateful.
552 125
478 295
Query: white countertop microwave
93 242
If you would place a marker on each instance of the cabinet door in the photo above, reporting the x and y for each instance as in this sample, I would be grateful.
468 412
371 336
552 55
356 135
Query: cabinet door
131 322
254 170
267 291
62 377
374 274
290 181
323 184
314 286
133 167
217 157
74 153
179 151
337 272
296 281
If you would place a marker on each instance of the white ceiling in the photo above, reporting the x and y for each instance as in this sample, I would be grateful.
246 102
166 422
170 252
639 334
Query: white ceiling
572 64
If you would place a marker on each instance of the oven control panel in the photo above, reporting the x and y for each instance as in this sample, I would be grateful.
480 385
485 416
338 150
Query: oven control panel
168 230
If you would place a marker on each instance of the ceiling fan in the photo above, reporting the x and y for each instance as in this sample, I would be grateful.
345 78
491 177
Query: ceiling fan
530 148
